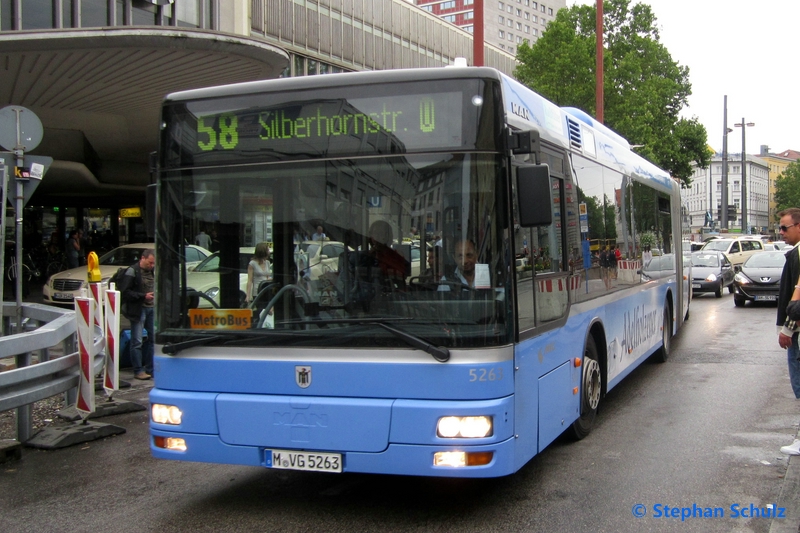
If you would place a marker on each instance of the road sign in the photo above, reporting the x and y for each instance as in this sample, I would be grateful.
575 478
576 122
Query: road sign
20 128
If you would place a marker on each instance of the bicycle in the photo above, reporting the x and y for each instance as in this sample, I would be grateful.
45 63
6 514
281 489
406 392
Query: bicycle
55 263
29 269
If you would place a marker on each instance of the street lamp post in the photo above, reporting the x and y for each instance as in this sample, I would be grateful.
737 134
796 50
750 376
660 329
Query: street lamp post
744 125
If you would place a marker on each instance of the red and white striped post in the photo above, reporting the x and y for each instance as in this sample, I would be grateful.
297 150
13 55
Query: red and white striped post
111 367
84 314
98 290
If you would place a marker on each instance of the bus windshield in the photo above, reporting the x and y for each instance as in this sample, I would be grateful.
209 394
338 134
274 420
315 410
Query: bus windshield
415 242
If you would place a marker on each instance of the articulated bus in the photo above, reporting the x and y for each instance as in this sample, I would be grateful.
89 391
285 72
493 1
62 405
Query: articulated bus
403 340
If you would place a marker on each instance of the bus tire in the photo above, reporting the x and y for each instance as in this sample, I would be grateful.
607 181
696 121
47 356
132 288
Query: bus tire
662 354
591 390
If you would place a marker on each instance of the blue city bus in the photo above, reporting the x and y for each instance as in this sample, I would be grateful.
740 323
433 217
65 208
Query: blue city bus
395 332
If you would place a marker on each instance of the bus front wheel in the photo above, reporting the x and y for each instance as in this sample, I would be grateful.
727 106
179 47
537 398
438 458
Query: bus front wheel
591 390
662 354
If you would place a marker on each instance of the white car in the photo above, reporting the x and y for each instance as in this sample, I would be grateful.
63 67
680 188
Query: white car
204 278
317 258
62 287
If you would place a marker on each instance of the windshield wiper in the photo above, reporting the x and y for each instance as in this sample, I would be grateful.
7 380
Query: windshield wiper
173 348
440 353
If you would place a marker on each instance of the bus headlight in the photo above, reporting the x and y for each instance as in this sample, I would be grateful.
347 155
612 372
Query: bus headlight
467 427
166 414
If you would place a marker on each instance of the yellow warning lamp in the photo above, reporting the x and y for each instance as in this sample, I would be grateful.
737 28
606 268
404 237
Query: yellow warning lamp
93 265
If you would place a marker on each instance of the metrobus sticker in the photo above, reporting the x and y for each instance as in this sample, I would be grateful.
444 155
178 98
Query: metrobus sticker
221 318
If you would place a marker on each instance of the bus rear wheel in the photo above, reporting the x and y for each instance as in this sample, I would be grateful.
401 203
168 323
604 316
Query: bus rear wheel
591 390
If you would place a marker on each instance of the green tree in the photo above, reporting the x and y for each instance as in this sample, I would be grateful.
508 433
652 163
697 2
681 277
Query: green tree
787 188
644 89
600 215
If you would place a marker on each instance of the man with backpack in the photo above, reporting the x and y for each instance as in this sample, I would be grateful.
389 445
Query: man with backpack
136 284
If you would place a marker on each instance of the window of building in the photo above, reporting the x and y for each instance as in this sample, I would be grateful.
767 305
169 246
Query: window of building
468 15
501 34
502 47
543 9
510 23
467 2
510 49
535 19
501 19
550 11
447 5
519 25
468 28
527 29
510 9
501 5
143 14
94 13
511 37
534 5
534 31
527 16
427 8
449 18
519 39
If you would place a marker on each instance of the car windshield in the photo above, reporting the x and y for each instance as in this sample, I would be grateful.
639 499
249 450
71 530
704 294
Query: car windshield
766 260
705 260
720 246
122 256
211 263
323 293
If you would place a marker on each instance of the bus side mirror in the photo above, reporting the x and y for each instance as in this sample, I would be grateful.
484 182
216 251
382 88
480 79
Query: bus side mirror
534 196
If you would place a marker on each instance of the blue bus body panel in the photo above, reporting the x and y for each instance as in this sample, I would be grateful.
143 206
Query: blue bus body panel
304 423
400 459
373 379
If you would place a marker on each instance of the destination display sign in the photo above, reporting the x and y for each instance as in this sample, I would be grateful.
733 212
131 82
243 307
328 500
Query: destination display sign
324 122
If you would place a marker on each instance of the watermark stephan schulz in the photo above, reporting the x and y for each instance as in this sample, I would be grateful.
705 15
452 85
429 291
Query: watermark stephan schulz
693 512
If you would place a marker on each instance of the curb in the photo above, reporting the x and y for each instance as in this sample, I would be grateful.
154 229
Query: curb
789 499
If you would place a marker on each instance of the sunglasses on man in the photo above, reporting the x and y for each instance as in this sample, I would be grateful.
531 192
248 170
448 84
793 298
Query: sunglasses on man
786 228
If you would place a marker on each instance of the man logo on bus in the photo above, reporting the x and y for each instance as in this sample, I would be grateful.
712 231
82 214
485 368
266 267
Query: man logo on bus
302 376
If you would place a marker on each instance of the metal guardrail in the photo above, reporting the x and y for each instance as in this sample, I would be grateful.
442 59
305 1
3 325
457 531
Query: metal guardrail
54 328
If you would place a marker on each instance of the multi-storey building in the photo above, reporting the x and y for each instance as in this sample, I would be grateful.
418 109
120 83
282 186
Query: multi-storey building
507 23
703 199
777 165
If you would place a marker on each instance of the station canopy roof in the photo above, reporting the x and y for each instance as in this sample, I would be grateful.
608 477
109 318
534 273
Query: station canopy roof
98 93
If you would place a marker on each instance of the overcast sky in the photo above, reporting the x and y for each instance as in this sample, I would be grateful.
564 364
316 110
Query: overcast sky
743 49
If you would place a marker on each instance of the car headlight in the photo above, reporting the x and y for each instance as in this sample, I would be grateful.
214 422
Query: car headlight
711 277
212 292
741 279
467 427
